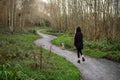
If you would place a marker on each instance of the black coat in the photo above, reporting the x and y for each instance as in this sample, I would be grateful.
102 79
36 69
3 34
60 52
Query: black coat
78 40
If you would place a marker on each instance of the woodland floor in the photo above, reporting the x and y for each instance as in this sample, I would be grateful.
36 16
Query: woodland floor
91 69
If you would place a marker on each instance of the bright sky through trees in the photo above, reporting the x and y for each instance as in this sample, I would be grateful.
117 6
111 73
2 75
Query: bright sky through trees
45 1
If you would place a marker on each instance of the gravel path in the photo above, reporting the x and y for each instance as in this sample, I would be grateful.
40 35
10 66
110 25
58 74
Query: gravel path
91 69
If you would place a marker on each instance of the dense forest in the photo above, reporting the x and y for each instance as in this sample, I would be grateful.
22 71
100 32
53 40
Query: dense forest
99 19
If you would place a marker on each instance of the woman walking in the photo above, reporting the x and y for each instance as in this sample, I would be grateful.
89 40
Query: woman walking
78 42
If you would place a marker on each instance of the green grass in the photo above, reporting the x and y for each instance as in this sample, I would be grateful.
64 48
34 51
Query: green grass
67 40
17 63
51 31
94 49
94 53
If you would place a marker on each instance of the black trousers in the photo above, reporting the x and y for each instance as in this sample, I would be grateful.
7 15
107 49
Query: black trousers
79 52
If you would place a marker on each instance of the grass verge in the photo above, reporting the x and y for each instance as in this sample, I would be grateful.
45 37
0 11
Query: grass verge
20 60
51 31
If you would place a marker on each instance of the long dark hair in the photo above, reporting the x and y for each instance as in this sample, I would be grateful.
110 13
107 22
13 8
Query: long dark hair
78 29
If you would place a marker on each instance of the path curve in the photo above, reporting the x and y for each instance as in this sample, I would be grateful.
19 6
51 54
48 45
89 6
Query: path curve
91 69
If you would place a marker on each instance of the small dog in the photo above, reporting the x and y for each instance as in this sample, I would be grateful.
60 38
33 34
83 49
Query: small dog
62 46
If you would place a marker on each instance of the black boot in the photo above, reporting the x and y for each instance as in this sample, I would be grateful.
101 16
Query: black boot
78 61
83 59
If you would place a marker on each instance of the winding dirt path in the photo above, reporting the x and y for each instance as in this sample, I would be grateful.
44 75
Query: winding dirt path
92 69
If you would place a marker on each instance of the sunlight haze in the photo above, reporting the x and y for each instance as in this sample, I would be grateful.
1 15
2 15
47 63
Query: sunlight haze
45 1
